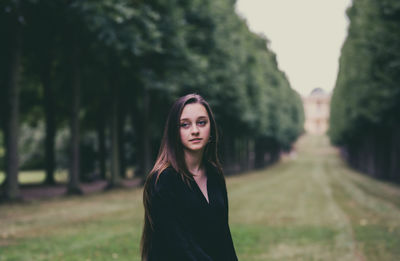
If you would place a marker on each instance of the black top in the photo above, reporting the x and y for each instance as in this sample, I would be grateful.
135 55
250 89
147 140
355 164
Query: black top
186 226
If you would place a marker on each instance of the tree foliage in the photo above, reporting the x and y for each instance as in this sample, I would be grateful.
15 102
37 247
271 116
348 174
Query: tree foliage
133 58
365 102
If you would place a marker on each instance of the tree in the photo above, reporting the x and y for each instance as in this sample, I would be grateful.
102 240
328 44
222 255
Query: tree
364 108
14 19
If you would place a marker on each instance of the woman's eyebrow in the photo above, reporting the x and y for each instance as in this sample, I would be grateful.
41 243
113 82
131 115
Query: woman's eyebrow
200 117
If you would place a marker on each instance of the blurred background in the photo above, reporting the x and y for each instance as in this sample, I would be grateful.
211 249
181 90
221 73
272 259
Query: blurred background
305 93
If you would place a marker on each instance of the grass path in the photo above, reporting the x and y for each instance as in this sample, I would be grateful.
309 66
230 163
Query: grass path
293 204
308 207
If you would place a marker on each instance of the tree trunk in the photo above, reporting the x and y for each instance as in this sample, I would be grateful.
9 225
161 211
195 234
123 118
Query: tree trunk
74 183
3 111
5 138
121 139
375 155
115 167
244 154
259 153
140 120
270 149
369 155
251 154
50 123
11 189
275 151
227 158
395 154
238 154
102 147
3 118
383 139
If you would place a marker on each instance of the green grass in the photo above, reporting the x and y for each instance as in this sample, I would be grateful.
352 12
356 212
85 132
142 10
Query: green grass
311 207
36 176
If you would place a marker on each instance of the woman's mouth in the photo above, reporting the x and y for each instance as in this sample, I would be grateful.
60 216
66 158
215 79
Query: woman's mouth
196 140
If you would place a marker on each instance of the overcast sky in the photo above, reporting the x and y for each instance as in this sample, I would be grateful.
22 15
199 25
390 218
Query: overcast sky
306 36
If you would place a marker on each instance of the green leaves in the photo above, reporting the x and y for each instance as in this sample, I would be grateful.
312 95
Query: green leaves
158 49
367 90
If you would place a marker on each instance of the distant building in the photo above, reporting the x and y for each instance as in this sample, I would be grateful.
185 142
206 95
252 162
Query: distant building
316 109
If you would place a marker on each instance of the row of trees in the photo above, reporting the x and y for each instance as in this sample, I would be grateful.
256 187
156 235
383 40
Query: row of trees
110 69
365 106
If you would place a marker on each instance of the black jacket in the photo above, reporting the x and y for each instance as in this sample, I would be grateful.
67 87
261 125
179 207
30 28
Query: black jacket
186 226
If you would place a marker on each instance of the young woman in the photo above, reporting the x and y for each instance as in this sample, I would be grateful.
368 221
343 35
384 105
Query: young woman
185 197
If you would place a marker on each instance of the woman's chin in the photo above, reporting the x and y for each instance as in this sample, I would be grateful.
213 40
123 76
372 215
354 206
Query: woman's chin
195 148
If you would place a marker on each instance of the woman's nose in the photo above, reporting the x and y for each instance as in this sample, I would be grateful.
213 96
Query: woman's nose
195 129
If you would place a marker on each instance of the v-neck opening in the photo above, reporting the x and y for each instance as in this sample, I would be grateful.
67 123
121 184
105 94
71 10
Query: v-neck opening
207 191
208 194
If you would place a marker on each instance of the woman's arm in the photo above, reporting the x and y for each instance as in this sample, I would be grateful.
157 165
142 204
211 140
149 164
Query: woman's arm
229 241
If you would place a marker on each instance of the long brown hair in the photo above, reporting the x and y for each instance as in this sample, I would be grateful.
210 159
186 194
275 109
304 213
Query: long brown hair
171 155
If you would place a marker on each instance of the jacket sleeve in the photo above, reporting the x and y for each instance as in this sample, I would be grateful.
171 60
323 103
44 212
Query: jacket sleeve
177 240
229 242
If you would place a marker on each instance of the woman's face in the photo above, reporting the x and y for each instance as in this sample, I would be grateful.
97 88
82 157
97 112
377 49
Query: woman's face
194 127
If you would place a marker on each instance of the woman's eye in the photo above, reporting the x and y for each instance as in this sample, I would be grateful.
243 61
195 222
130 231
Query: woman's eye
185 125
202 123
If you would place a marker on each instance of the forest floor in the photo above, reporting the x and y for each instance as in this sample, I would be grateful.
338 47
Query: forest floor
310 206
32 185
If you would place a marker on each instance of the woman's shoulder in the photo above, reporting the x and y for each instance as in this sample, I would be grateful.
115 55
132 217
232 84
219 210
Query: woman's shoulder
166 178
215 173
